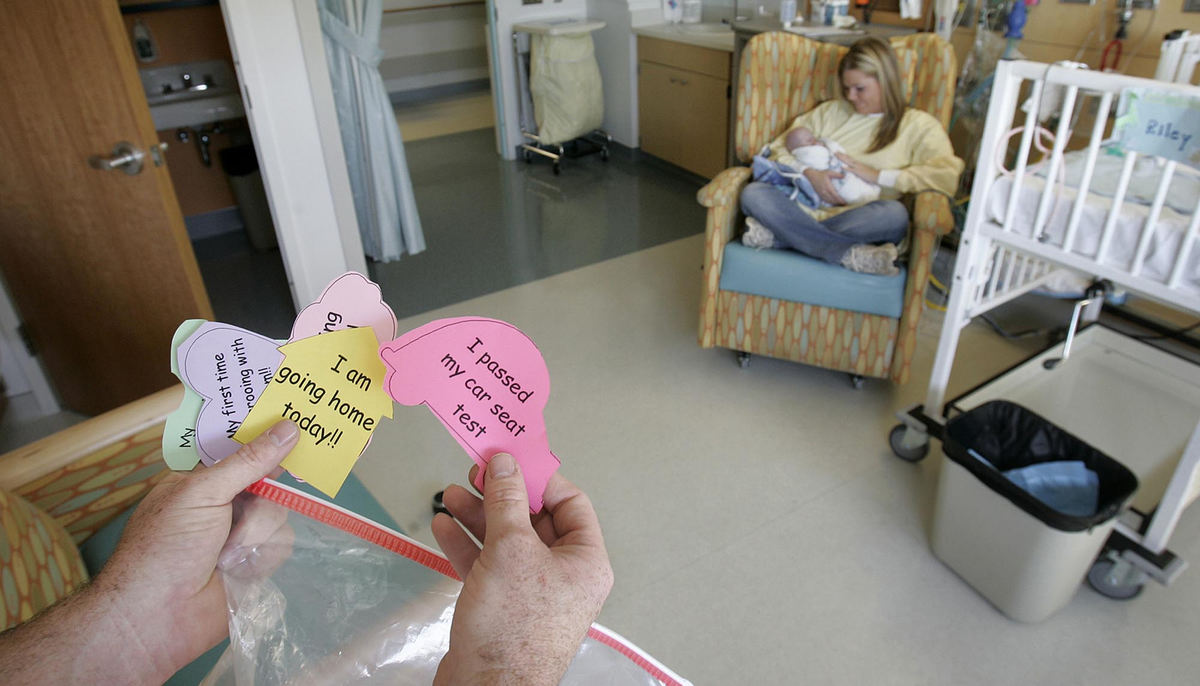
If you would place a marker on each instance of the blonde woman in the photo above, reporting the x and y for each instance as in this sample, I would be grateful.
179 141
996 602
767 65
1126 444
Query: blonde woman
902 149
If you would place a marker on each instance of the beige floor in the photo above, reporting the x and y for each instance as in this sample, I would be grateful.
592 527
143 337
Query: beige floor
466 112
760 529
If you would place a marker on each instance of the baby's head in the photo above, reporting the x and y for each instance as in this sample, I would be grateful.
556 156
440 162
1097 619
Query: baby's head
799 137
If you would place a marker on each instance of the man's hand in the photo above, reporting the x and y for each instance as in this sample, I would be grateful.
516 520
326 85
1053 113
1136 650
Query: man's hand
531 593
158 603
822 181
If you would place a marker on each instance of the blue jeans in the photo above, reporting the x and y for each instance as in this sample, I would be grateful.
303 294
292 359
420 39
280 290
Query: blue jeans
881 221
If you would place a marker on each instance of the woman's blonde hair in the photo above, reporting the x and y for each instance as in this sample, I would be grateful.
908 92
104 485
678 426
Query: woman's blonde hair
875 58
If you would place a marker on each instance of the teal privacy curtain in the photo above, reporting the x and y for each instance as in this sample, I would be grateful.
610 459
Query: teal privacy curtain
383 194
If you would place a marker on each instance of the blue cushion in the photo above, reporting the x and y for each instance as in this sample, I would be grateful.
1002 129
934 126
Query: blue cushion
788 275
99 546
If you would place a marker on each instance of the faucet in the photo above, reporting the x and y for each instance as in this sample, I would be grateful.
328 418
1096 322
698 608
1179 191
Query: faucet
203 140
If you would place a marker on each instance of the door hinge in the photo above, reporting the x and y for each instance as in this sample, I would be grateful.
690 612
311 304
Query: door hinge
27 340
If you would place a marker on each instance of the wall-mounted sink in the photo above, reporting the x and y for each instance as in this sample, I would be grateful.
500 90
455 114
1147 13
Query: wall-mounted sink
192 94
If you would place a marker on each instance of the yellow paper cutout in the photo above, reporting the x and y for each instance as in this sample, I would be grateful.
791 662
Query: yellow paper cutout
331 385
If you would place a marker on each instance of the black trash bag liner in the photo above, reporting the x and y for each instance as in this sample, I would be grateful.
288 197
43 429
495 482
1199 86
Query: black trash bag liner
1011 437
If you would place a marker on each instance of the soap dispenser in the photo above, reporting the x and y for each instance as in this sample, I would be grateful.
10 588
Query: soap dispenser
143 42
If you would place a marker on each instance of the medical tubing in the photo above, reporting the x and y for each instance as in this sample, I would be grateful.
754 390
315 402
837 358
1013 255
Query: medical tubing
1141 40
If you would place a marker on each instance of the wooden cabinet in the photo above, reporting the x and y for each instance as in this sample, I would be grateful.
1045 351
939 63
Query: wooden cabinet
683 104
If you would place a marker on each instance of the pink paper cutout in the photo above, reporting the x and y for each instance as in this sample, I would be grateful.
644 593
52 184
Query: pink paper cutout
349 300
228 367
488 385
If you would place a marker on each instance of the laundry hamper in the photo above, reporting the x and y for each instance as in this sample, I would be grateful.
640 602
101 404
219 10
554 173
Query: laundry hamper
561 106
1023 554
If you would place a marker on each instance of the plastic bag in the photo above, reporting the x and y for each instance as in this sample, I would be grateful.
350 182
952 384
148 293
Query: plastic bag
330 597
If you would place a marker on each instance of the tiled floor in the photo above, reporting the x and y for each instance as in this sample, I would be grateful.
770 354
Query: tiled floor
760 529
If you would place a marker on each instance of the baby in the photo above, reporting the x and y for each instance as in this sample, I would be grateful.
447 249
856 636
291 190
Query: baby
821 154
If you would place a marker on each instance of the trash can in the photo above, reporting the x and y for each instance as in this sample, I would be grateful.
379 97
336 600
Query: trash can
1023 507
241 166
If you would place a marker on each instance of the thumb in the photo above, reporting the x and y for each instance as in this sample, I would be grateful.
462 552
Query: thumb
250 463
505 501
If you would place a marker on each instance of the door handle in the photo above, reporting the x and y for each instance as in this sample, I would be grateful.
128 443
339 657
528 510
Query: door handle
124 156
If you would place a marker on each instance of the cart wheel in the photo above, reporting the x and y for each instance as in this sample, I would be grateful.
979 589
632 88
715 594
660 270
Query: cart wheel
557 167
1103 580
527 156
896 440
604 153
857 381
743 359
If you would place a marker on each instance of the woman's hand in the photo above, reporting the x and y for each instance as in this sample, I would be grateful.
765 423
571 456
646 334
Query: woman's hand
863 171
822 182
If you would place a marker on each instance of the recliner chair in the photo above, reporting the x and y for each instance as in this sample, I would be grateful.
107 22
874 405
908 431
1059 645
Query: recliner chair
781 303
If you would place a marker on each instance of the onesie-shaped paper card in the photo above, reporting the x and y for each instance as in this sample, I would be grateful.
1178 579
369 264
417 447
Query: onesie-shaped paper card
332 387
487 383
349 301
227 367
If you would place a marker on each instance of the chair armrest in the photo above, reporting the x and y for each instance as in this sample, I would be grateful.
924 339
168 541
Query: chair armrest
22 467
931 220
86 475
932 212
724 188
720 196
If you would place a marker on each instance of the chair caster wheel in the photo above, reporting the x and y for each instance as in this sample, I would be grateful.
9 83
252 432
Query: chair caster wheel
857 381
438 506
743 360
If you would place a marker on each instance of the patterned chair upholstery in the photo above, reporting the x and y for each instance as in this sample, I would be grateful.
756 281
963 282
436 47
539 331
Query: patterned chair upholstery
783 75
59 491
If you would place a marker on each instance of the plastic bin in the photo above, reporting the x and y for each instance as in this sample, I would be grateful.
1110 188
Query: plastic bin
1024 556
245 179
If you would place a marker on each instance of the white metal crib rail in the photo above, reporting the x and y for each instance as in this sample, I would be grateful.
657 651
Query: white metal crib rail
999 262
1081 89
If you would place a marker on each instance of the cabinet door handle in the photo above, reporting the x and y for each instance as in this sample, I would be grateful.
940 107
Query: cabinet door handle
682 82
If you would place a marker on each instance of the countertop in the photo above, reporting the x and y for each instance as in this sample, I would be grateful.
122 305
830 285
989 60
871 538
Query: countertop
826 34
707 35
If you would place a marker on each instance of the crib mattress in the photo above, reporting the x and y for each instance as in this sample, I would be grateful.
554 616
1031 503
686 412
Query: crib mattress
1172 224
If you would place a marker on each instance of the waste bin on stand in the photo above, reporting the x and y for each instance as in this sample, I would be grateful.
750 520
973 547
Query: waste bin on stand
1023 507
245 179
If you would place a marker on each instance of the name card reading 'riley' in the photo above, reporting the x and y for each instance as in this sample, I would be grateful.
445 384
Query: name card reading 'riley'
1162 123
487 383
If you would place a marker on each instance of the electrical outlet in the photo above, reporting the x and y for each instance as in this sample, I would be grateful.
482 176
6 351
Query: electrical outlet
1191 5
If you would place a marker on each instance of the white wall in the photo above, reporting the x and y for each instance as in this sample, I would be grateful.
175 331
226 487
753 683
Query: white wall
616 52
426 45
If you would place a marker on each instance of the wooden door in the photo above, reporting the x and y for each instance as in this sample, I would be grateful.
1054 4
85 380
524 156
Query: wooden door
98 262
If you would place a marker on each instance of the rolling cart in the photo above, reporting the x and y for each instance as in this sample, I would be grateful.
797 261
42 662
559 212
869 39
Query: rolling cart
560 101
1135 402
